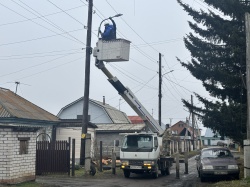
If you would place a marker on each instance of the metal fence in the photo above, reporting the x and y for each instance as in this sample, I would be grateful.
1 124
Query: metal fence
52 157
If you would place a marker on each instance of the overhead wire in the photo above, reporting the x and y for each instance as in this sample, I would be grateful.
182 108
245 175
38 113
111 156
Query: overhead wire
132 29
126 74
46 62
50 68
42 54
39 38
34 21
38 17
146 55
45 19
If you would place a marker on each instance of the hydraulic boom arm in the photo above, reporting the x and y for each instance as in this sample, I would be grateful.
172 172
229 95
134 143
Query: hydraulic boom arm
131 99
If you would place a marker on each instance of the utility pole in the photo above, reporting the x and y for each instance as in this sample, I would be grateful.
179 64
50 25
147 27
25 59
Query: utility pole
247 141
160 95
193 121
85 119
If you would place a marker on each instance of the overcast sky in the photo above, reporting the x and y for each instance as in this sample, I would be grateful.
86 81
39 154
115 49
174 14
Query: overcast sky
42 45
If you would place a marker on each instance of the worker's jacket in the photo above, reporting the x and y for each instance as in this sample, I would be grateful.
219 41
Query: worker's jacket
109 32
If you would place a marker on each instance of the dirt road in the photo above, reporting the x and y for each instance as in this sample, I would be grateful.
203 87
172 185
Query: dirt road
109 180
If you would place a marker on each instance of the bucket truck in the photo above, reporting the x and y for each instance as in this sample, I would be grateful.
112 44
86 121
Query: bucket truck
140 152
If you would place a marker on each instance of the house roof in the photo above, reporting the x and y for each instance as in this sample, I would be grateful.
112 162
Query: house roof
13 106
120 127
74 123
209 133
115 115
135 119
21 128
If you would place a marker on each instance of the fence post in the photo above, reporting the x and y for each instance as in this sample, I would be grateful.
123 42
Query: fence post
113 162
100 169
186 162
73 156
69 156
177 166
87 153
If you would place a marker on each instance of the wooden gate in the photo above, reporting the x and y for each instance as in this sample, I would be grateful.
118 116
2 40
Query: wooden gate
52 157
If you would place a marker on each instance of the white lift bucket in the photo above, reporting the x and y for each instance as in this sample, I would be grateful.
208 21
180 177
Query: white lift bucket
112 50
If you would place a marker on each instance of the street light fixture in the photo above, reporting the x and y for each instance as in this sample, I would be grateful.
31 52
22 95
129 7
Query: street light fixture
99 29
167 73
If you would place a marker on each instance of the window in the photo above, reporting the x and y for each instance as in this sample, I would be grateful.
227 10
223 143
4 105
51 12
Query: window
23 145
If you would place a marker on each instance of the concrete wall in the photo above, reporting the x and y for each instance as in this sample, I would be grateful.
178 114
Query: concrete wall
16 167
107 139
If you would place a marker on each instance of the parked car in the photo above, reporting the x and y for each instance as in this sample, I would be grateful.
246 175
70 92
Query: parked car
216 162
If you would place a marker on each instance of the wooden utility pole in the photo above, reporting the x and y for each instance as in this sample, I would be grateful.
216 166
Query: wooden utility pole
247 17
193 121
85 119
160 95
247 141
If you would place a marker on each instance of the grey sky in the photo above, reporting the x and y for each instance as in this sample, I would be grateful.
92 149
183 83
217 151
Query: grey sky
41 44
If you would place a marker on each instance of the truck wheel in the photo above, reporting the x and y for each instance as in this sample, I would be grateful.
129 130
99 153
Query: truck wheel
126 173
155 173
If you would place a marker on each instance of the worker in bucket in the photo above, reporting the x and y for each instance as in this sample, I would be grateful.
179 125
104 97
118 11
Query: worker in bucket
109 31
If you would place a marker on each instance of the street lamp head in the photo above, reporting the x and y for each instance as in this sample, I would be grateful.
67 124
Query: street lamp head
118 15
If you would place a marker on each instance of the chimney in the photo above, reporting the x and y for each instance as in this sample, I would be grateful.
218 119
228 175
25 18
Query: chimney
103 100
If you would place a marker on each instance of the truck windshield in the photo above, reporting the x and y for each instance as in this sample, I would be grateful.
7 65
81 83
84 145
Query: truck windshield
137 143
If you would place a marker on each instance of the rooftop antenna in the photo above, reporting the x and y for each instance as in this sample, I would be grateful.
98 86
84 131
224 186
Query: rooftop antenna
17 83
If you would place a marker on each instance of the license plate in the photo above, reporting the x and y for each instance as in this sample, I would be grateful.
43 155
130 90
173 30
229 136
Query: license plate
135 167
220 173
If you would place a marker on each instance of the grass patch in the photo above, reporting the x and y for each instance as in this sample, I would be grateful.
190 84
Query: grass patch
233 183
190 154
31 184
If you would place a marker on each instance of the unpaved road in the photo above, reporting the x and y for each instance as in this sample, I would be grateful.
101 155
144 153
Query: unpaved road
109 180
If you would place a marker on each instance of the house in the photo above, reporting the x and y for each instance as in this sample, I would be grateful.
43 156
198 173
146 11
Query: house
16 110
184 129
212 138
21 124
135 119
108 120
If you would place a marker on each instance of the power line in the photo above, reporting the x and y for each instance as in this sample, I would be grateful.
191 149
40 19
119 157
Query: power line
66 13
46 20
42 54
33 21
34 66
133 29
39 38
38 17
50 68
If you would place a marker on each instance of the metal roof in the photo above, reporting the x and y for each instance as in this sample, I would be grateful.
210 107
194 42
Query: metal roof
120 127
115 115
209 133
14 106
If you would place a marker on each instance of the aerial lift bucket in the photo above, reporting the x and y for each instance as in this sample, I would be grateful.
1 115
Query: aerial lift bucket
116 50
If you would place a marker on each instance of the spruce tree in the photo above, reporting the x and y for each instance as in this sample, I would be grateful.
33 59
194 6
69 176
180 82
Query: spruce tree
217 45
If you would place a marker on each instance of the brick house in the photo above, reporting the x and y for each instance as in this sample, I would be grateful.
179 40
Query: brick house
20 124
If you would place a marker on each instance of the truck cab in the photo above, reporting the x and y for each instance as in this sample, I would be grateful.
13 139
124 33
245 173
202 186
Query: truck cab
140 153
